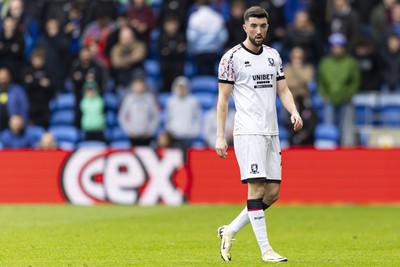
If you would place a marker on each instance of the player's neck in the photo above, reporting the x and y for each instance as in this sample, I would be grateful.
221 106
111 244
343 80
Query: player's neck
251 47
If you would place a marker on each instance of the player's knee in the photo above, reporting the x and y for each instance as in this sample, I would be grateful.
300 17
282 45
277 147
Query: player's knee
256 190
271 197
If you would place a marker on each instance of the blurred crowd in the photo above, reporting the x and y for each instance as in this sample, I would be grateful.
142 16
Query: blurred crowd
122 72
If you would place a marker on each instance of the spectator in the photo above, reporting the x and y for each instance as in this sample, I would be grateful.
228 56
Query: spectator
73 29
47 142
85 65
172 47
234 23
127 57
344 20
305 136
175 8
165 140
338 81
183 114
205 43
15 136
318 15
369 65
12 47
276 20
25 24
92 108
380 18
113 37
142 19
56 44
365 9
13 100
394 26
390 64
39 85
299 74
304 35
210 127
95 35
138 115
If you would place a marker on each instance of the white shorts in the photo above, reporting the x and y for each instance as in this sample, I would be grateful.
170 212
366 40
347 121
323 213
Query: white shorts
259 158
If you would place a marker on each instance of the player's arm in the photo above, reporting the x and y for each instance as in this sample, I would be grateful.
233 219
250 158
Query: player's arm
288 102
224 91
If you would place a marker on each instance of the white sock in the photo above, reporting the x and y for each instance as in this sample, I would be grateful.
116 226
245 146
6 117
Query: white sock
238 223
257 219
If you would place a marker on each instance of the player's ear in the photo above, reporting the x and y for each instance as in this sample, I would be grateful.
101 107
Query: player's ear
244 27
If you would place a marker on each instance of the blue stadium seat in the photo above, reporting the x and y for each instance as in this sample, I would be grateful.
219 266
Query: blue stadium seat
62 117
111 102
162 99
365 105
111 119
35 133
62 101
68 134
91 144
326 136
206 100
152 68
121 145
117 134
189 69
319 105
204 84
284 137
390 109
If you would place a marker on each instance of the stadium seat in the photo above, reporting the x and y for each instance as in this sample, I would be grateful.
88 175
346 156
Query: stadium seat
111 102
365 105
189 69
153 46
62 101
117 134
326 136
62 117
35 133
206 100
67 134
162 99
390 110
319 105
284 137
91 144
152 68
121 145
111 119
204 84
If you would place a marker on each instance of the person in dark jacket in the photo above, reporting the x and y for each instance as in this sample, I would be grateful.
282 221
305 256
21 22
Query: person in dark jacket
39 85
12 47
172 47
390 64
56 45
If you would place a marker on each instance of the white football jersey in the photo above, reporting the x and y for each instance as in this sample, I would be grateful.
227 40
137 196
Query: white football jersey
254 78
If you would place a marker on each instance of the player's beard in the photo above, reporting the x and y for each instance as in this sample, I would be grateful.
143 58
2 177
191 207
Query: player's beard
257 42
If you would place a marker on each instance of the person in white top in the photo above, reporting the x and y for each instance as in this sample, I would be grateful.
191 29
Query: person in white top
252 73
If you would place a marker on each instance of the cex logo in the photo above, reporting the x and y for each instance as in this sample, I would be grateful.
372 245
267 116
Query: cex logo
137 176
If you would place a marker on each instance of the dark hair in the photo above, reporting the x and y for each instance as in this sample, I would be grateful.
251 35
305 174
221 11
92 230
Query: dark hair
256 12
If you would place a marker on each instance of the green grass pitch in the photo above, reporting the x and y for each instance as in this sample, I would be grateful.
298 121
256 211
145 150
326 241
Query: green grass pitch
52 235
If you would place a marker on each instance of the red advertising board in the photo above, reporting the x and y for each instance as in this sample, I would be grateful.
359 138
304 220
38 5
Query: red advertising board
144 176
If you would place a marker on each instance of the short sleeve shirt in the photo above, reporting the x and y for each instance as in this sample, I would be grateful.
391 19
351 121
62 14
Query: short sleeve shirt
254 77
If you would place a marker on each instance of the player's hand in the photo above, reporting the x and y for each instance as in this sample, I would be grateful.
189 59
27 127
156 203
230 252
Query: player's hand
220 147
296 121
